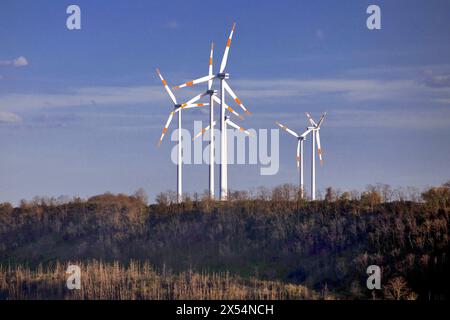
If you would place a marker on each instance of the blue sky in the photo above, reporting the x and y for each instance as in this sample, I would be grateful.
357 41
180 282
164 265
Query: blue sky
81 111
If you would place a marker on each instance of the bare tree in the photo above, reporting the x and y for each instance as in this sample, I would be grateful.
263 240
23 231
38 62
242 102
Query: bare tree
330 194
397 289
141 195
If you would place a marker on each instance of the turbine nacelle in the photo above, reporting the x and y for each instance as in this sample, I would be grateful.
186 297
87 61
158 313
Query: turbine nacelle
223 76
211 92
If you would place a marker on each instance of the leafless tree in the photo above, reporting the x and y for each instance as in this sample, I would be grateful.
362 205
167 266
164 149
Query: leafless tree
397 289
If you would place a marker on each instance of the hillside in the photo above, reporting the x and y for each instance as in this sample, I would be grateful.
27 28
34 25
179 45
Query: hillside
323 245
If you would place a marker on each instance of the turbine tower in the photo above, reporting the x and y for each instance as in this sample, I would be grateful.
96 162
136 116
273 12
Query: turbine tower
315 127
177 109
211 124
224 86
300 139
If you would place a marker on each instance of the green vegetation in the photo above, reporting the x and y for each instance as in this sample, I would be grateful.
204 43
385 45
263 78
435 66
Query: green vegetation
325 245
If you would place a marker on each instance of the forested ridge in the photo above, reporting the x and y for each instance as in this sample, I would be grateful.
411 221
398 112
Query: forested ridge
272 235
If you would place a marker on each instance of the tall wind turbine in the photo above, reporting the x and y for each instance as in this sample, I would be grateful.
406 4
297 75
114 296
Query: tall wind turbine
224 86
212 98
300 139
177 109
315 127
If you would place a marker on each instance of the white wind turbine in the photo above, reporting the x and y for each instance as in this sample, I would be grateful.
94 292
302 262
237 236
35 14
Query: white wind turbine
300 139
224 86
177 109
315 135
212 97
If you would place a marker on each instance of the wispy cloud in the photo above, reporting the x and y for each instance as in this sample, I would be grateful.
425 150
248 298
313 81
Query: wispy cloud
349 92
354 90
443 101
84 96
9 117
172 25
393 118
437 80
372 118
17 62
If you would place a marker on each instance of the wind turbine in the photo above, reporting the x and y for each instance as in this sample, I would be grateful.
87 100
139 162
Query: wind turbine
177 109
315 136
300 139
224 86
212 98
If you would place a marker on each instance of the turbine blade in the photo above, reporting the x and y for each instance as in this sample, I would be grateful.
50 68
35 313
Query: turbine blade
236 99
216 99
304 134
196 98
166 127
287 129
319 149
164 82
298 154
210 70
223 64
190 106
311 119
203 131
321 119
234 125
196 81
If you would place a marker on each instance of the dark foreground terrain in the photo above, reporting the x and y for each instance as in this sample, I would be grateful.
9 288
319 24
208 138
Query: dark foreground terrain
270 245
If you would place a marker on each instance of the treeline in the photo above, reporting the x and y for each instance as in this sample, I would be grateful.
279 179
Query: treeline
270 235
288 192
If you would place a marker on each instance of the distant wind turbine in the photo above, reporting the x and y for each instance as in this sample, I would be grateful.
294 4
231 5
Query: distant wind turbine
300 139
315 135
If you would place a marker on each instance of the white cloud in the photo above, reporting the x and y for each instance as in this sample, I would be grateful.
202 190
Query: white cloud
9 117
17 62
437 81
85 96
443 101
172 24
355 90
368 118
337 90
20 61
394 118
